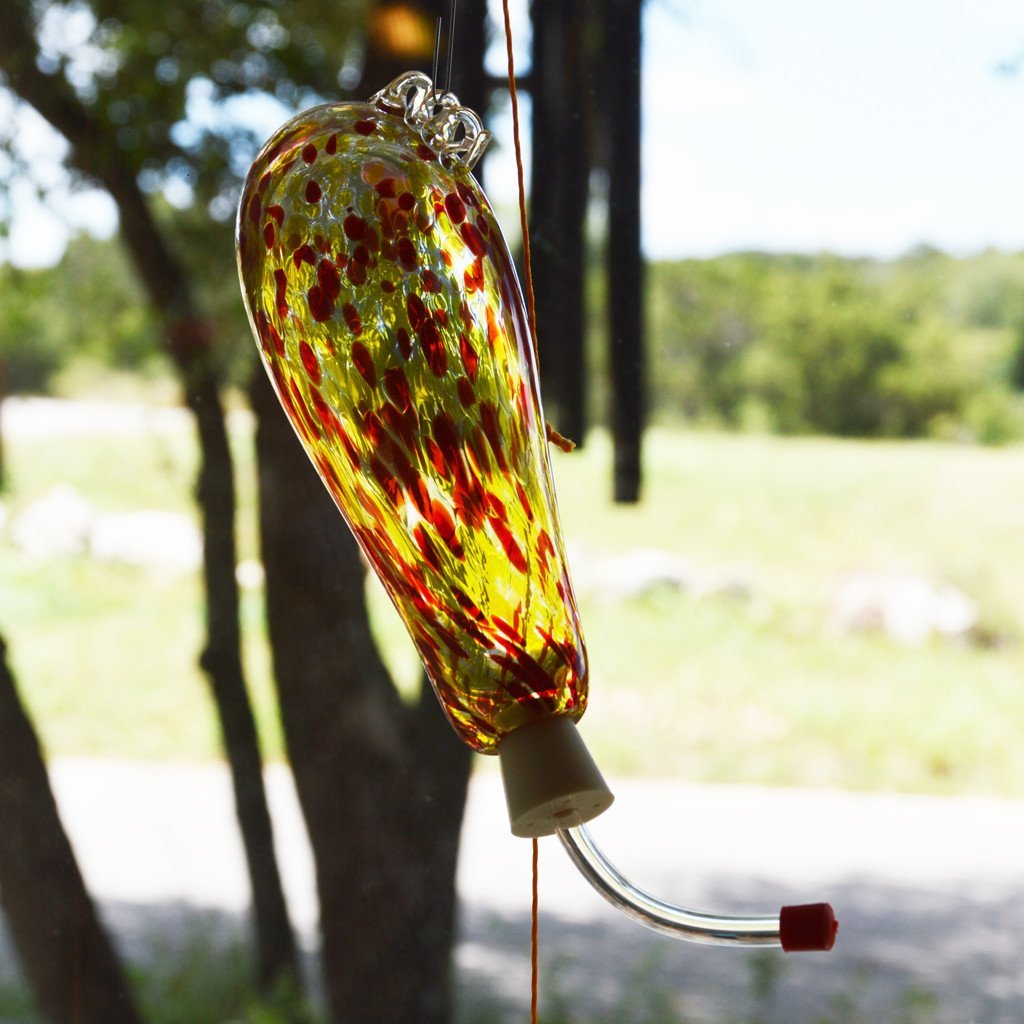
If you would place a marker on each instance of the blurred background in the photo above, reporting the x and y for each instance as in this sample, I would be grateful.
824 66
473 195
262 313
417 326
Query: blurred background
780 263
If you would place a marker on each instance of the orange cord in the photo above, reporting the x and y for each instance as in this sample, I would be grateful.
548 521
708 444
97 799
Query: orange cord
527 268
534 937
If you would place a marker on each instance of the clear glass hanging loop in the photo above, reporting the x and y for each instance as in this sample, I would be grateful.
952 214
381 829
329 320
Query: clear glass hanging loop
454 132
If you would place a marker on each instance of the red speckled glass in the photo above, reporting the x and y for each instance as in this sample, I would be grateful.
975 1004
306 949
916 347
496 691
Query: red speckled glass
389 318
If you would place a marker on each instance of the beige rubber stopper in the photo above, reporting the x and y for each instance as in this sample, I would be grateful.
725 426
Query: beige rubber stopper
551 781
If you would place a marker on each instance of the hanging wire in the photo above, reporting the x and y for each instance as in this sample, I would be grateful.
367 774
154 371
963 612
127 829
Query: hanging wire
451 47
437 57
435 68
523 221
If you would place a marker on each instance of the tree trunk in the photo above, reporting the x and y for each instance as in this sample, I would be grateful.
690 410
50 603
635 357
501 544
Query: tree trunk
96 154
382 785
64 950
276 956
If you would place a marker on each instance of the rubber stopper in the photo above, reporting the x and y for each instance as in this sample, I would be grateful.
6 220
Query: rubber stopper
551 781
808 928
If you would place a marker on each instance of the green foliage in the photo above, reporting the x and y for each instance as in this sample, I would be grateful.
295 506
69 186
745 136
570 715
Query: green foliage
16 1005
188 979
647 993
927 344
1017 361
198 981
643 997
30 349
155 78
88 308
179 97
821 347
924 345
104 316
702 319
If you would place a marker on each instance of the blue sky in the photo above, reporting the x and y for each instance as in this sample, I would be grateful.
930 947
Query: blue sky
857 126
861 126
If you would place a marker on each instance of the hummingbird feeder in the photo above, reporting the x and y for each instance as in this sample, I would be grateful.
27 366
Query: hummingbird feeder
389 318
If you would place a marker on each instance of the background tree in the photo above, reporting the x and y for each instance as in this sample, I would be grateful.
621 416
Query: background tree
1017 365
64 949
107 147
919 346
143 93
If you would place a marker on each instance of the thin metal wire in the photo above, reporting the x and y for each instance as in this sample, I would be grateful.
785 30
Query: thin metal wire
437 57
451 46
531 305
435 67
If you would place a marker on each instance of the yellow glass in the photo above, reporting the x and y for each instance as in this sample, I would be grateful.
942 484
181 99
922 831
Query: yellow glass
390 321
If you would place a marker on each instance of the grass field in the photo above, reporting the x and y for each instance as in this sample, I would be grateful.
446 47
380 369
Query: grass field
749 687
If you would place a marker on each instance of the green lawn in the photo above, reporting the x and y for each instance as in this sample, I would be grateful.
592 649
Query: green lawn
755 688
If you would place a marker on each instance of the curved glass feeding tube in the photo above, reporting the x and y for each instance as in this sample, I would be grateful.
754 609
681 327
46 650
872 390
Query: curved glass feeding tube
797 928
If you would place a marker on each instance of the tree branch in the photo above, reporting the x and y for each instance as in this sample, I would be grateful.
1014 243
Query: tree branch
96 155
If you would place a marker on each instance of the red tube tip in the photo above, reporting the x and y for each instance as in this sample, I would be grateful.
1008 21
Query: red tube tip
808 928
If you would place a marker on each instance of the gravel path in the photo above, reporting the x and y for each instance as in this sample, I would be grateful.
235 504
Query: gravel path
929 892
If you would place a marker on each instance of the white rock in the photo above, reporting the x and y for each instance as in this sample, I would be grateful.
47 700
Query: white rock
908 607
58 523
954 614
734 583
632 573
151 539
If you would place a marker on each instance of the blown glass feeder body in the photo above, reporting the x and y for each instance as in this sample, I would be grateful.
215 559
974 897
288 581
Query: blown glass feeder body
392 326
